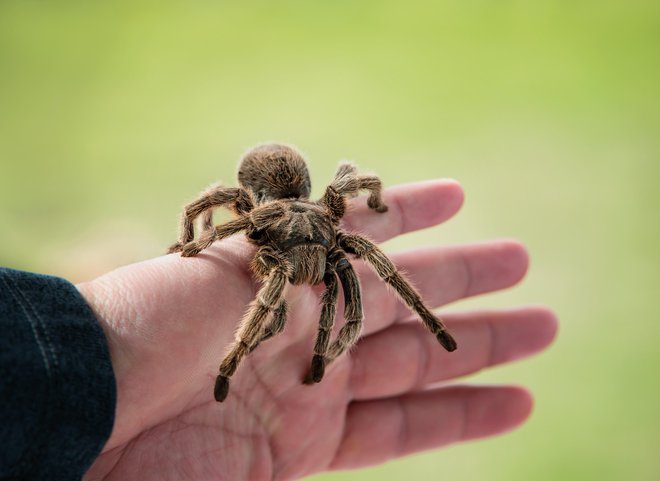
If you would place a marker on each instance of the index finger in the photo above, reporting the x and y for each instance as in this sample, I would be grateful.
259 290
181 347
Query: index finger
412 207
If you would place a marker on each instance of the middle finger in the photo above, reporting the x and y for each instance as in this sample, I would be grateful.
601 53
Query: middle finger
441 275
407 357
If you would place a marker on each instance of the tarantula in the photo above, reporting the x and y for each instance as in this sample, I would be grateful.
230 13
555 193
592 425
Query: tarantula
299 242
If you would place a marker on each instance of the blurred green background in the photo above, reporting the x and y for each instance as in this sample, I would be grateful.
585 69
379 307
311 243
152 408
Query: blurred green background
113 114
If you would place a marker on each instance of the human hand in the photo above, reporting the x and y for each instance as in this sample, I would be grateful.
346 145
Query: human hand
169 321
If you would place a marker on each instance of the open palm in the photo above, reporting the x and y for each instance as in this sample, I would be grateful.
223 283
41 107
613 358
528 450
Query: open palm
169 321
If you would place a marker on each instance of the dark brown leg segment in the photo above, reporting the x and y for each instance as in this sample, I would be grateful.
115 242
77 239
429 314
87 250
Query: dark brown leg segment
368 251
207 237
207 220
328 311
348 182
251 329
215 196
374 186
350 331
275 327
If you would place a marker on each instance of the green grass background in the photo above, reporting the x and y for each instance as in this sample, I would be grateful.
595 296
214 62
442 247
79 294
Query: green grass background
112 114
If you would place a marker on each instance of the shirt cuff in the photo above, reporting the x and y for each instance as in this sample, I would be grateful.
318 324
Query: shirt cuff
57 387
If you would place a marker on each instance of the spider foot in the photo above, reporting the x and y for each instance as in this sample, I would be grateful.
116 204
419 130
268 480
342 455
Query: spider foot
446 340
315 374
175 248
221 388
379 207
190 249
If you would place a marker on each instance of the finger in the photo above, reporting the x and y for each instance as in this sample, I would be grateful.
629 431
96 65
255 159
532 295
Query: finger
411 207
377 431
442 275
406 356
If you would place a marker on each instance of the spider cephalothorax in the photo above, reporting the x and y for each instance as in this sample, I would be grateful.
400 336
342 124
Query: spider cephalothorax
299 242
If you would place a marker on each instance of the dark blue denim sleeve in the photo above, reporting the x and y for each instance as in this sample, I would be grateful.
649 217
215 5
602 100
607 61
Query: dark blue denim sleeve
57 388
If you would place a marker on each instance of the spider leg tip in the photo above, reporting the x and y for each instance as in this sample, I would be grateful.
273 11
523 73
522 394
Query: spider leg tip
447 341
315 374
221 388
190 251
174 248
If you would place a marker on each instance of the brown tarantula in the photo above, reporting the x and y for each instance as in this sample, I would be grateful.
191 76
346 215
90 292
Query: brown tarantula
299 242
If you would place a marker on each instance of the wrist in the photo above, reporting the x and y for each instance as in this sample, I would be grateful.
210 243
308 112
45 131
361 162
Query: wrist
106 313
98 301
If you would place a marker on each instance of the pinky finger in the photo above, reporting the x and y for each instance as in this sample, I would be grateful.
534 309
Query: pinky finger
377 431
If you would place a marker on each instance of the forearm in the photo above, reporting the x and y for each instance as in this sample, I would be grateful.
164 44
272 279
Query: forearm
57 387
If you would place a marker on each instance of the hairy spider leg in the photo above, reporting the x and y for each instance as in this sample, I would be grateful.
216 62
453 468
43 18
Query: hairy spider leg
328 311
381 264
350 331
207 237
276 325
348 182
207 220
252 327
214 196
